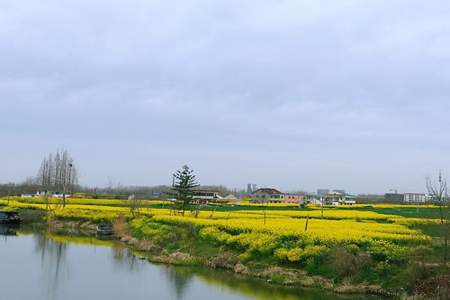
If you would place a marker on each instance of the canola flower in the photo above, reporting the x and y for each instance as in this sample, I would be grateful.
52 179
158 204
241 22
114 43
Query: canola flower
318 230
328 214
278 234
338 226
86 201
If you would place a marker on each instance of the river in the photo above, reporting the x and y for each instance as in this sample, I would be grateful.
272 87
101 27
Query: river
36 266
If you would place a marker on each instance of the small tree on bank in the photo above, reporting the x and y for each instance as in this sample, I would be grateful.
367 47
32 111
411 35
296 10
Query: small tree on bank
10 192
134 205
439 194
184 181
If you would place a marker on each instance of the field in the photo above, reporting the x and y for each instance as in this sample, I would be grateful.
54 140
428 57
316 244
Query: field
381 244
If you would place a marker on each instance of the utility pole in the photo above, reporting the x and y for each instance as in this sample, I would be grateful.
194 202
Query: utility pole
67 179
321 207
265 211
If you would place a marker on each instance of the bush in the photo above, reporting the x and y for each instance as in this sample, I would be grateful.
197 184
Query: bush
317 253
144 228
382 268
281 254
214 234
387 251
347 262
352 248
310 255
254 243
120 226
245 257
295 254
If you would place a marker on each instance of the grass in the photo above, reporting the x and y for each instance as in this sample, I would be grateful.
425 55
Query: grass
429 212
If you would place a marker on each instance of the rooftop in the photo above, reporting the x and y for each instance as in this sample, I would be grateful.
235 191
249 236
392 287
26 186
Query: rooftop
269 191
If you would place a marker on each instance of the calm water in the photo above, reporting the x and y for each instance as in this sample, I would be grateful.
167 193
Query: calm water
36 267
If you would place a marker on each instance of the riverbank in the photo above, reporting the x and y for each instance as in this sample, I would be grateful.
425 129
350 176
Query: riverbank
386 264
75 267
200 253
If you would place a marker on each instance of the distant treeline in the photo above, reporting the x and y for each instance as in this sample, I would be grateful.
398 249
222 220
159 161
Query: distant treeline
116 192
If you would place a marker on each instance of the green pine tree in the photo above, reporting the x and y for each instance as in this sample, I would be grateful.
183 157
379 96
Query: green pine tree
184 183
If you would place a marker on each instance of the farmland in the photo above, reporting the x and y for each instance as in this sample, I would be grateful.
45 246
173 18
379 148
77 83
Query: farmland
392 246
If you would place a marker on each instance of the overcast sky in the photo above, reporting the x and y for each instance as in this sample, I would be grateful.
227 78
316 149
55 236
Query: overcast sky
290 94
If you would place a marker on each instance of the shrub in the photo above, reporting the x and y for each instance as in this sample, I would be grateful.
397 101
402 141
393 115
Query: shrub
294 254
347 263
382 268
352 248
144 228
245 257
281 254
212 233
312 254
386 251
120 226
317 253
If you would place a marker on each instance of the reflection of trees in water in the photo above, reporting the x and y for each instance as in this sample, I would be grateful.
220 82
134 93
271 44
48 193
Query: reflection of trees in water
257 289
53 261
7 231
124 257
179 278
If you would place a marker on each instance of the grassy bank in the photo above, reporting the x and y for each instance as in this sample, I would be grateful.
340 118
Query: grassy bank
354 249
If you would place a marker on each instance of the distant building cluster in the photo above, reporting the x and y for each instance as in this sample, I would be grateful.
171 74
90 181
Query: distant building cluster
273 195
322 197
42 194
406 198
324 192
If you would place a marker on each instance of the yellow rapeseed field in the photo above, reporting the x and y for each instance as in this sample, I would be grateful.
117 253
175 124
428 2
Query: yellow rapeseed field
338 226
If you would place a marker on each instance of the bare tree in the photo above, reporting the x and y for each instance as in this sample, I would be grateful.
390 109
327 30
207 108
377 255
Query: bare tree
45 178
439 194
59 174
11 187
134 204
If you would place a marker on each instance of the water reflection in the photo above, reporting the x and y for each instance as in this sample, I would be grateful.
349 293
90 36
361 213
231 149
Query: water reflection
179 279
124 258
53 262
74 268
255 289
7 231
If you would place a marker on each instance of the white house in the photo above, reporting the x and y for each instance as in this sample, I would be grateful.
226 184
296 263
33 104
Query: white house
414 197
205 196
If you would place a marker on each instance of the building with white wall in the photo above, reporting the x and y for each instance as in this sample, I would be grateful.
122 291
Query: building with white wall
414 198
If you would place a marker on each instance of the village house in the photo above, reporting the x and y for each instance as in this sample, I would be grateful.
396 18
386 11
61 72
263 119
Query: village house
267 195
205 196
294 198
231 198
336 198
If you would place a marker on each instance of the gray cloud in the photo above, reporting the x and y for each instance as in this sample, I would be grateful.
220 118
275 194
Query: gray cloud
295 94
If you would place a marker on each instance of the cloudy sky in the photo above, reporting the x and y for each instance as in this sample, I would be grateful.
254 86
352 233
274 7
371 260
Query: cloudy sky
291 94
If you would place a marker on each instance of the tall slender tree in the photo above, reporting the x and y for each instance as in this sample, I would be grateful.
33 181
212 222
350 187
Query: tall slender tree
184 181
10 188
58 174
